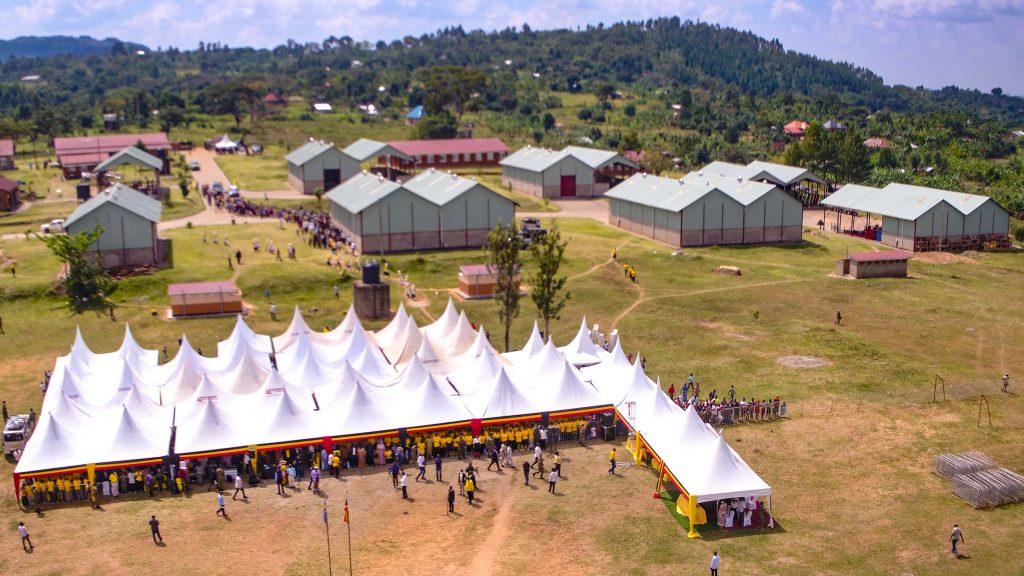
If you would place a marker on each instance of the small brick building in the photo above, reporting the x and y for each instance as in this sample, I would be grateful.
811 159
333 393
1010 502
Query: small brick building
884 264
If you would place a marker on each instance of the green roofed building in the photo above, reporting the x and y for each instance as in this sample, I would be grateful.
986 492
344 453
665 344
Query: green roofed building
318 164
129 219
573 172
434 210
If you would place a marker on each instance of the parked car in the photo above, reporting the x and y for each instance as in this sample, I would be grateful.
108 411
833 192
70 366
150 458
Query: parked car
233 191
55 226
194 165
217 188
530 225
17 431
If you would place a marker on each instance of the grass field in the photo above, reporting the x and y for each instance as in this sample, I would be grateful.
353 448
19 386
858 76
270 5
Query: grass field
850 469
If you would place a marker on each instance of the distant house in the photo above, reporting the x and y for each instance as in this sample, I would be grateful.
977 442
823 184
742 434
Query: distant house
272 99
323 107
6 154
414 115
478 281
877 143
573 172
129 219
881 264
450 154
111 122
318 164
834 126
796 128
10 195
83 154
431 211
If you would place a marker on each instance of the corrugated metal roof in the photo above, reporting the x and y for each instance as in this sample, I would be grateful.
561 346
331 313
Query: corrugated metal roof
675 195
6 148
450 146
539 159
109 143
881 256
133 156
361 191
307 152
779 173
221 287
439 187
903 205
964 203
364 150
120 195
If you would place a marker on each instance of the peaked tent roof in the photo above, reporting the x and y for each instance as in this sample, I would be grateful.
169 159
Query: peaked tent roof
119 195
131 156
582 350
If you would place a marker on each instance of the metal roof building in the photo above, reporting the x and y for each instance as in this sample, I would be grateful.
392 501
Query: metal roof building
318 164
704 212
923 219
82 154
129 219
573 172
799 182
7 154
450 154
434 210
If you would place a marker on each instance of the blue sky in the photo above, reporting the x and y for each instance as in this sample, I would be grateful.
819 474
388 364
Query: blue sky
934 43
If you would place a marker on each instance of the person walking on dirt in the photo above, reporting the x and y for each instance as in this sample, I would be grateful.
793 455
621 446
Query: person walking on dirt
23 532
715 561
239 487
526 473
839 318
1006 382
220 502
955 538
611 461
154 527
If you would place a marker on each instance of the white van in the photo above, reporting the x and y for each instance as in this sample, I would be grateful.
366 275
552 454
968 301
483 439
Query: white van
17 431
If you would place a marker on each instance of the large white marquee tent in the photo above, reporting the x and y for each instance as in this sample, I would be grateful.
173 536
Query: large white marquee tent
123 408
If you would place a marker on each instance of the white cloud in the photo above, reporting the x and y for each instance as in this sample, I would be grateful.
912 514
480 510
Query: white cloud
781 8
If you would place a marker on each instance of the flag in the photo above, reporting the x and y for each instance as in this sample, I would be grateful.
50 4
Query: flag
346 511
325 514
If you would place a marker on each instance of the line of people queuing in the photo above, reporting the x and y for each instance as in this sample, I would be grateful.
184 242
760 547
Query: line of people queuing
723 411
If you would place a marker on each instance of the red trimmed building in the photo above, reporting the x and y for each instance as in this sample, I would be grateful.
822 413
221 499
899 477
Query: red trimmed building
83 154
452 154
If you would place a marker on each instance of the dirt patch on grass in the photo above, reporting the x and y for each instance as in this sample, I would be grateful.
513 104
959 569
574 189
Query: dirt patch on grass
802 361
725 329
944 258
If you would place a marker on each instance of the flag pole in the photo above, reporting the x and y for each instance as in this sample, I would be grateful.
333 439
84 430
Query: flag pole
330 566
349 524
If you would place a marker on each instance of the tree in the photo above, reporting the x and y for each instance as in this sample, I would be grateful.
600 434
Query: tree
437 126
451 86
319 193
503 257
183 186
604 91
87 285
549 121
546 286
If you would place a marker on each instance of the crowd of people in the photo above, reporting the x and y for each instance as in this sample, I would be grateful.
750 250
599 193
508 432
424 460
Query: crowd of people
719 411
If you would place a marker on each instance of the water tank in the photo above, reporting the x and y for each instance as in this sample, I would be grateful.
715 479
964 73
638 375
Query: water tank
371 272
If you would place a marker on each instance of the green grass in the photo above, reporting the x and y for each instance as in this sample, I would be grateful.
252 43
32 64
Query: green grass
268 171
38 213
180 206
855 455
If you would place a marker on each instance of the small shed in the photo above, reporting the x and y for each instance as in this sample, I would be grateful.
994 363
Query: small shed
129 219
318 164
10 195
883 264
477 281
6 154
205 299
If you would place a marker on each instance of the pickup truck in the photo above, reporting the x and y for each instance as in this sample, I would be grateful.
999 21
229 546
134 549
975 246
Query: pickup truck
17 431
55 226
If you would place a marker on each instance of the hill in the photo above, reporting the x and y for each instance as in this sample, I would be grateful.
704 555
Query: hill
50 46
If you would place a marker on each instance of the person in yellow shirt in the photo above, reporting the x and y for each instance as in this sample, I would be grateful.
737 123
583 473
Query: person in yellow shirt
611 460
470 487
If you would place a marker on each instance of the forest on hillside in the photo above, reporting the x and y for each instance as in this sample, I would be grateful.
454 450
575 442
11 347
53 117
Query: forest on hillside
682 92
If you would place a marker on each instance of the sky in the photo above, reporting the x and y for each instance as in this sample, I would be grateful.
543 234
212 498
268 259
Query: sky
932 43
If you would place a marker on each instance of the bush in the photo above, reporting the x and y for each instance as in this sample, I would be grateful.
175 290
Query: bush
584 114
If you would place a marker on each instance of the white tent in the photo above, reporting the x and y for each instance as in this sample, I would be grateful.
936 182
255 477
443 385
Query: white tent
582 351
500 397
225 144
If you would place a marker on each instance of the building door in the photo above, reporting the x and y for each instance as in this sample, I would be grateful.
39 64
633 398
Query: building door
567 186
332 178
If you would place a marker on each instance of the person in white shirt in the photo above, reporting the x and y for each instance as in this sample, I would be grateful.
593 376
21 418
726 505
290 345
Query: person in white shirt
26 540
715 560
421 463
956 537
239 487
405 483
552 479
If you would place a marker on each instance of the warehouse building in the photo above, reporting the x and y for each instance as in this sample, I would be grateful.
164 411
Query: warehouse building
434 210
573 172
129 219
923 219
695 212
83 154
800 183
388 158
318 164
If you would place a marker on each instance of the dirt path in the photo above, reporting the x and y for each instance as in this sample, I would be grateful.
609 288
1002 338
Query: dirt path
600 265
642 299
483 562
